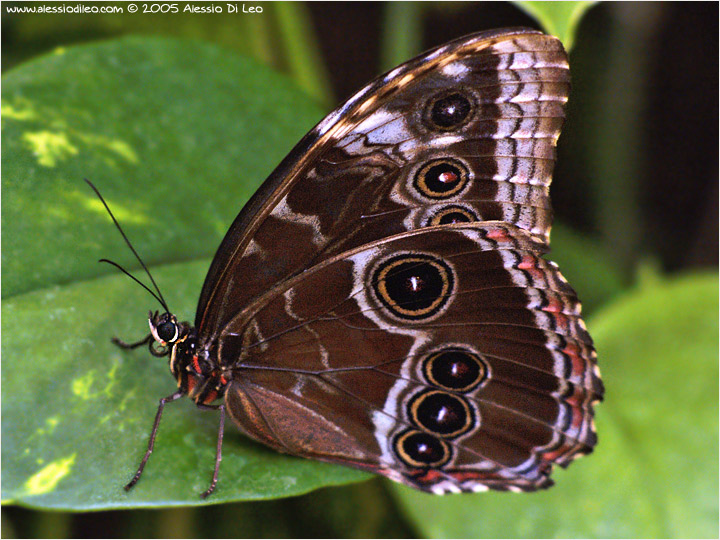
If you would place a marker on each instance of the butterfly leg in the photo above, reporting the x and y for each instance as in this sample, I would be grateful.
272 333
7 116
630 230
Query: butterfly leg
120 343
151 444
218 451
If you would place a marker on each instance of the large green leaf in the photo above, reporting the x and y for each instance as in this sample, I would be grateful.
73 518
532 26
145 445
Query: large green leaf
77 410
177 135
655 470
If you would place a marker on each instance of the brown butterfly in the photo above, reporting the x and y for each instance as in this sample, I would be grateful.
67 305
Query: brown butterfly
382 301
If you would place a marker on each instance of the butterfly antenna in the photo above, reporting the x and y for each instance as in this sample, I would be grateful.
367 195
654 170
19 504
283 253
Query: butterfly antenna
158 296
116 265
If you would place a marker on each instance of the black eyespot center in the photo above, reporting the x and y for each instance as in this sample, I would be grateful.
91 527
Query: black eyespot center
455 369
441 178
419 449
449 111
441 413
414 286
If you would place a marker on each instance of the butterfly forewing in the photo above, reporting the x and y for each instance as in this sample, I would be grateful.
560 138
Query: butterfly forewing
466 132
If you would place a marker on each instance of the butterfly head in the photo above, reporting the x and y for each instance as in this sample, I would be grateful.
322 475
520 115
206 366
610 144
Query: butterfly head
197 372
166 331
164 327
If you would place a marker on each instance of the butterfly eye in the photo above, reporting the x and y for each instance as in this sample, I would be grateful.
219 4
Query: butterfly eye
441 178
167 331
164 328
448 111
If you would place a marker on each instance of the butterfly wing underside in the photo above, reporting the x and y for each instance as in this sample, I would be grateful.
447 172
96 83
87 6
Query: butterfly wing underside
450 358
466 132
382 301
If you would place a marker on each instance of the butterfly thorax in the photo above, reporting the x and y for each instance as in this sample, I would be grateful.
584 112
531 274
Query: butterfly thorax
197 372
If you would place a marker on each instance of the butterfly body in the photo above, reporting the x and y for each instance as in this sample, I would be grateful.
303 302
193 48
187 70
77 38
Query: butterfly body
382 301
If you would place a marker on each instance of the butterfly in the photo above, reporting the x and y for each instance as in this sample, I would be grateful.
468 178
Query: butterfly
383 302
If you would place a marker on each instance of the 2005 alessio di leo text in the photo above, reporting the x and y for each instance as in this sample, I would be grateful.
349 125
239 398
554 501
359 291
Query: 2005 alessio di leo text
195 8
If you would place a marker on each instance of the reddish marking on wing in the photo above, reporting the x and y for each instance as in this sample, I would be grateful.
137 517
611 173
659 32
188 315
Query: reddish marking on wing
577 418
528 263
574 353
430 476
552 456
577 397
499 235
572 349
578 364
192 381
554 305
196 364
462 476
562 323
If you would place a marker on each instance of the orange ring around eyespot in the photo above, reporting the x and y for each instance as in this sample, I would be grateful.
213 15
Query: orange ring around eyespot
403 455
420 180
417 401
389 302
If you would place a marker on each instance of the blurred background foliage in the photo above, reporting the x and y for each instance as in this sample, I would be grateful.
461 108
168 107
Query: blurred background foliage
636 201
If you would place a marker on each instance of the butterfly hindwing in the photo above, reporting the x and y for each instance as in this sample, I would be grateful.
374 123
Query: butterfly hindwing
450 358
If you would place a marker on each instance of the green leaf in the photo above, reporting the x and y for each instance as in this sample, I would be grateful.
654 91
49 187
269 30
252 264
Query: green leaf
76 422
558 18
655 470
177 135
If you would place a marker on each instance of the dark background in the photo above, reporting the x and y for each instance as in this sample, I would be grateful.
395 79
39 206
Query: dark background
637 170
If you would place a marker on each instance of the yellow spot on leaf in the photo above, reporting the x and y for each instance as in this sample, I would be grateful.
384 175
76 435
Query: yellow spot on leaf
50 425
82 385
63 139
90 202
20 113
49 147
111 378
123 149
115 146
47 478
123 214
